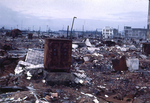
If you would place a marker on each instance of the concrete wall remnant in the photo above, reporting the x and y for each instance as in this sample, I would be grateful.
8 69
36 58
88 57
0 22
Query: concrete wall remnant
132 64
57 54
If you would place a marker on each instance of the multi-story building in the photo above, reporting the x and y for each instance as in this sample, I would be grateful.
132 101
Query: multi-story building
139 33
109 32
127 31
116 33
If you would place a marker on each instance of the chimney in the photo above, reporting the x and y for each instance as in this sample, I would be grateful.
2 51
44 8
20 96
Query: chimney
148 22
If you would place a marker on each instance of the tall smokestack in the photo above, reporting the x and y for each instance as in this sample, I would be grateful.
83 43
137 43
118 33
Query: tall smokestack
148 22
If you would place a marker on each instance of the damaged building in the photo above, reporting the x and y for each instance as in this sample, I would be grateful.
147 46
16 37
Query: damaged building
135 33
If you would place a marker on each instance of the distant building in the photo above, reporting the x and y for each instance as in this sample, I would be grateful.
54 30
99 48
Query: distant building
116 33
83 34
15 33
109 32
63 33
4 30
138 33
127 31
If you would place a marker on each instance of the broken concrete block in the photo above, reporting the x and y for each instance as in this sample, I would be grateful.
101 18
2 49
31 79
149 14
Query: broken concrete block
27 66
58 78
87 80
132 64
18 69
30 69
132 47
35 57
39 66
80 75
48 98
97 54
74 46
80 71
95 101
81 78
87 94
78 81
85 59
117 46
54 95
24 64
92 49
29 75
20 66
143 56
124 49
87 42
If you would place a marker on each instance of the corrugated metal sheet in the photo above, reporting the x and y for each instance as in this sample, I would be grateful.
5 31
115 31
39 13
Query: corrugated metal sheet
120 64
35 57
146 48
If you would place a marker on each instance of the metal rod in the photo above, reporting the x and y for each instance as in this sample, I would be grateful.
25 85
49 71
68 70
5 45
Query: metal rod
72 27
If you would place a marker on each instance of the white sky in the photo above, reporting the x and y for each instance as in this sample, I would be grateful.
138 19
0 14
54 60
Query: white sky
105 10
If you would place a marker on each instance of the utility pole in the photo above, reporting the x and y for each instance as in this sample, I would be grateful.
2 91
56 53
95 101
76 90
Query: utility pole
47 29
33 28
21 25
148 21
39 32
83 31
118 32
67 31
72 27
95 33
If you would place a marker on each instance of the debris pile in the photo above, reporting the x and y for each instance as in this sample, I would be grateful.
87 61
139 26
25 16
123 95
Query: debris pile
102 71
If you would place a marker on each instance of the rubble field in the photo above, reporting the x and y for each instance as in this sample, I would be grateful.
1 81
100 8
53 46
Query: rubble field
102 71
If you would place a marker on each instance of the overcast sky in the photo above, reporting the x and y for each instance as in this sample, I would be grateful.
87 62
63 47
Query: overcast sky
58 14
